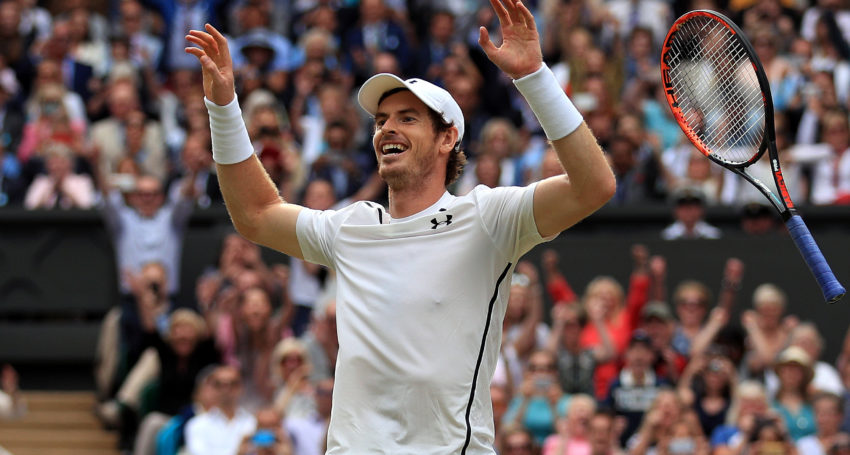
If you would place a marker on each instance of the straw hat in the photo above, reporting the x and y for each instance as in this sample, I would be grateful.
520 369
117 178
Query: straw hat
795 355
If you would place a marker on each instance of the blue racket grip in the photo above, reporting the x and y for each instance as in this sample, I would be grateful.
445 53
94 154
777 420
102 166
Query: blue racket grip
831 288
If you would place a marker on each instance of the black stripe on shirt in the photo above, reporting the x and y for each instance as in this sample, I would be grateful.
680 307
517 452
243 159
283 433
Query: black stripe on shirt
481 356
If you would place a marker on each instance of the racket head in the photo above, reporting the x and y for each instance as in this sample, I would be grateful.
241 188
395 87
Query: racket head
717 89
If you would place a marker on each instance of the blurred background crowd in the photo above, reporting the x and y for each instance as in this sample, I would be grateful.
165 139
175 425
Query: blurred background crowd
101 109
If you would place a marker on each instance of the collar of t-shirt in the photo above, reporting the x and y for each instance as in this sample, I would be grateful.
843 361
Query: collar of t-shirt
443 202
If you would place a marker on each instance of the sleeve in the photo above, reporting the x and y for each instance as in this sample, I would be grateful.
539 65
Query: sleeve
112 205
507 214
637 298
316 231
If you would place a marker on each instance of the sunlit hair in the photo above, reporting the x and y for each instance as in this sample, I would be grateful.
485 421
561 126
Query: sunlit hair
188 317
705 293
768 293
746 390
601 281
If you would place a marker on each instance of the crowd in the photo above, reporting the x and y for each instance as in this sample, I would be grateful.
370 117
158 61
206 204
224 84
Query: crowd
101 108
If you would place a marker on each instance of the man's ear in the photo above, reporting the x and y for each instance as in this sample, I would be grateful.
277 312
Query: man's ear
449 140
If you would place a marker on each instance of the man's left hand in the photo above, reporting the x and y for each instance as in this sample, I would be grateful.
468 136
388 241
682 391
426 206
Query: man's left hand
520 54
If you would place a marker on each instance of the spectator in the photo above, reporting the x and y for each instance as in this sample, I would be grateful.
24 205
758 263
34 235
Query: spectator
749 405
524 329
376 31
152 219
658 323
577 365
12 404
128 132
173 362
792 400
221 429
572 429
603 434
661 430
691 299
500 396
246 337
270 437
770 436
632 393
60 187
322 341
829 413
500 140
767 330
295 395
52 123
708 386
169 436
197 161
758 219
622 314
826 377
310 432
134 22
540 400
689 215
436 46
518 441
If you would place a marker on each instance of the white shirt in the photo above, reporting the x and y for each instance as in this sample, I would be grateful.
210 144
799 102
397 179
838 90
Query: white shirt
420 304
810 445
211 433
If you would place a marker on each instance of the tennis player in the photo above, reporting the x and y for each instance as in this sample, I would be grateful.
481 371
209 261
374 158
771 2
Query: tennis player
423 283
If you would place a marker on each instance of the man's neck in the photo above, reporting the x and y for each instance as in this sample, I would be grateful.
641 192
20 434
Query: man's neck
412 200
228 411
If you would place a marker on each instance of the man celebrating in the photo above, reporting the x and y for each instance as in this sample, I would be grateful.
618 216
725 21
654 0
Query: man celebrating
421 285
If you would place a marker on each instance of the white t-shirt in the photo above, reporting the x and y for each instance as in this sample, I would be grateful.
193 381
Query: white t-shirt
420 303
212 433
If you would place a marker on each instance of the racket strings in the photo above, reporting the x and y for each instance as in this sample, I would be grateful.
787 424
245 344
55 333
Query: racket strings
716 87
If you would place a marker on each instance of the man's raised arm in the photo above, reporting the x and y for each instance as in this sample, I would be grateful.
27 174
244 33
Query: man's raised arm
257 210
561 201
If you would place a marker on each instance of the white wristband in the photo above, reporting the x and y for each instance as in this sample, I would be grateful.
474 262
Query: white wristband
556 113
230 141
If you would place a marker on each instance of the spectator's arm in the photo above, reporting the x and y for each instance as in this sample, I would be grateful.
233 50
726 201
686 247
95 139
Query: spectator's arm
717 319
763 355
527 340
639 284
733 273
604 351
556 284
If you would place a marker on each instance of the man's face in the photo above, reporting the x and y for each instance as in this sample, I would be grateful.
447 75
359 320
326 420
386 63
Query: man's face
639 357
406 145
827 416
147 197
183 338
599 432
228 384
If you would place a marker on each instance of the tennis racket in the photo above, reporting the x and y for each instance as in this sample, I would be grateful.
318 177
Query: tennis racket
720 96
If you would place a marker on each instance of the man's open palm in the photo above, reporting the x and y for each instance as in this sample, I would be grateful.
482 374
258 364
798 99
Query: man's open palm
519 54
216 64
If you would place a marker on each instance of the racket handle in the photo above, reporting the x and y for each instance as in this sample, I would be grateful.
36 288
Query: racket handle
831 288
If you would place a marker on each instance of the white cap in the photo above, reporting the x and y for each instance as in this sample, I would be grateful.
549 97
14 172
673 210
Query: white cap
434 97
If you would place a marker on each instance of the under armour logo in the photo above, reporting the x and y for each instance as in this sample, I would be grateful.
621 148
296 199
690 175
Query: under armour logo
436 223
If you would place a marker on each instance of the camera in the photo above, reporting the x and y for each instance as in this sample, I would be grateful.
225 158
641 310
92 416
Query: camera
155 287
264 438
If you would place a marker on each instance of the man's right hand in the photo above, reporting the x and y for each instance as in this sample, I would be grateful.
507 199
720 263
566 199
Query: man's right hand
216 64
